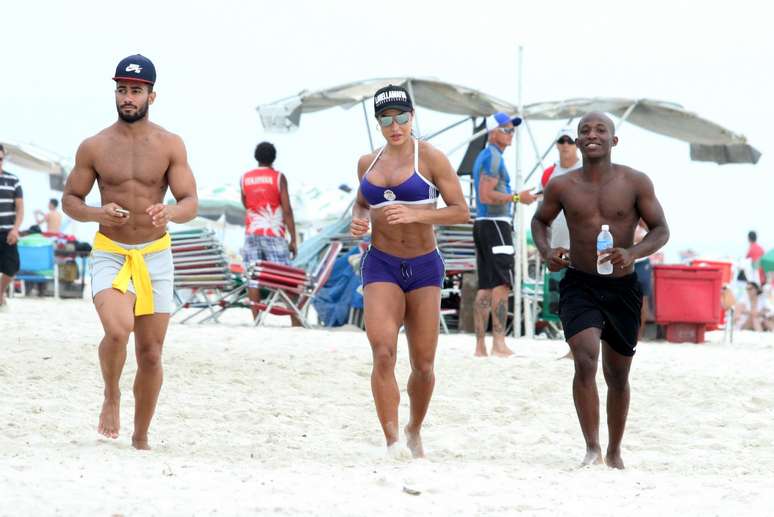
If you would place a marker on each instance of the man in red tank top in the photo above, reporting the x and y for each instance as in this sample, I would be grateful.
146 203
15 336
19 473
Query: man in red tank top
269 214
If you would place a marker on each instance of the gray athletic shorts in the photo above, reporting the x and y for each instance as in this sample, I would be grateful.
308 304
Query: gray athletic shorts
105 267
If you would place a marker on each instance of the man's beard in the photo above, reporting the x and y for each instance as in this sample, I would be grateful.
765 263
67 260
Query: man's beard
131 118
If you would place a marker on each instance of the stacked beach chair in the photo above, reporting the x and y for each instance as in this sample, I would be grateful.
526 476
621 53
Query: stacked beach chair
289 289
203 278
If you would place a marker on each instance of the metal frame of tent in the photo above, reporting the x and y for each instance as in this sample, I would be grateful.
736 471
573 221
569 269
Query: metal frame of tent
708 141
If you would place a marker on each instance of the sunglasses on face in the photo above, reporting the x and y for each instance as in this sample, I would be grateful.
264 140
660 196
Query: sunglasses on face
400 118
507 130
565 141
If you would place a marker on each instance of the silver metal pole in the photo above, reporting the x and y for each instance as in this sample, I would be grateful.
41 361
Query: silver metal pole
543 156
518 218
626 114
368 126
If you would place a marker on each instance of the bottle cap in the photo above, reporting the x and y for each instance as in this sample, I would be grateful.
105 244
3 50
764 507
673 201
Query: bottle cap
605 228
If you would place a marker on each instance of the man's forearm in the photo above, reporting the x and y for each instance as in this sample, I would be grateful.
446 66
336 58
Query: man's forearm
76 208
185 210
540 233
19 218
290 224
653 241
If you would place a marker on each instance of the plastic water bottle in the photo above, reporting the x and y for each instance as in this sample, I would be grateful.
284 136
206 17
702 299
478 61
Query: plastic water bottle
604 241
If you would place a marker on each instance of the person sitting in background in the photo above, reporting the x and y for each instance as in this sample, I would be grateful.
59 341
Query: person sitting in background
52 218
754 311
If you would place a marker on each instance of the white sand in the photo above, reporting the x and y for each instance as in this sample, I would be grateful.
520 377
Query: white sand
281 421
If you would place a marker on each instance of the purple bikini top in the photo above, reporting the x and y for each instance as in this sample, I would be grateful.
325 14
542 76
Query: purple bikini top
416 190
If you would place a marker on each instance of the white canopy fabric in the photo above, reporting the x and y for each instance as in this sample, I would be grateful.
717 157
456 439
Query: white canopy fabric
32 158
709 141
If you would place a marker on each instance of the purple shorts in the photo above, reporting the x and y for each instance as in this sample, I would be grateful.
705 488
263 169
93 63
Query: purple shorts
406 273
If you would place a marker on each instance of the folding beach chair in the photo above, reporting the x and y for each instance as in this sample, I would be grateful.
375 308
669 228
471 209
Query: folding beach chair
202 271
291 289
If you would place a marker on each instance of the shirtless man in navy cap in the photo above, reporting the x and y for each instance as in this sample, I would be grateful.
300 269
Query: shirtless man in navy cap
133 162
598 308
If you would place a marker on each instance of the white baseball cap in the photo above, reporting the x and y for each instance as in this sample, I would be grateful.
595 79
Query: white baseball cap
566 131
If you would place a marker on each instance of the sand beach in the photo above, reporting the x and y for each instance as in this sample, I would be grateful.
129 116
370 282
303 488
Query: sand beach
280 421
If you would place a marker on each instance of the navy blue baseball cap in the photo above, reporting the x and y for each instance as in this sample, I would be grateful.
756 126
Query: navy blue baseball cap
136 68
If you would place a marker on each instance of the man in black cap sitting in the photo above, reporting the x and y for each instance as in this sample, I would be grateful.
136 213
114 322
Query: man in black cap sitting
133 161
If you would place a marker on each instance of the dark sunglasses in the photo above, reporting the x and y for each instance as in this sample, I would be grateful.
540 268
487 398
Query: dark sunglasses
400 118
507 130
565 141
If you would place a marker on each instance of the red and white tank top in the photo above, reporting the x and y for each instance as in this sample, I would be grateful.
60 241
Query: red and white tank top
261 188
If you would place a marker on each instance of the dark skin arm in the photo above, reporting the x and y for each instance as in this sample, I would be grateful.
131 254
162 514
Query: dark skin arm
287 215
556 258
652 214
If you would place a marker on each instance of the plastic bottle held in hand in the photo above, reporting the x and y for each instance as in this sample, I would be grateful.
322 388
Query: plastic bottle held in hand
604 241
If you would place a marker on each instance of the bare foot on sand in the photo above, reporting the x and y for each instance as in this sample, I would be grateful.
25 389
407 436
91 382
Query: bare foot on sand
398 452
109 418
614 460
593 457
414 443
501 351
480 351
140 443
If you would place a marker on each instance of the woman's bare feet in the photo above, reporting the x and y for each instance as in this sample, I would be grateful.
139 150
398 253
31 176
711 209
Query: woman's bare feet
593 457
414 442
140 443
109 417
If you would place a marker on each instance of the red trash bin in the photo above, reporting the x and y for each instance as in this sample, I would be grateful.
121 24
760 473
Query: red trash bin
687 298
726 270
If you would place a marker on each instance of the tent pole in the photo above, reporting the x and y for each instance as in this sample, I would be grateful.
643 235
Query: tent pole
410 88
368 127
626 114
543 157
433 135
534 147
518 217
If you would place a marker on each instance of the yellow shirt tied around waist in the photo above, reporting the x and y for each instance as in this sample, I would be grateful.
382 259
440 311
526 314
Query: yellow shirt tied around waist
134 269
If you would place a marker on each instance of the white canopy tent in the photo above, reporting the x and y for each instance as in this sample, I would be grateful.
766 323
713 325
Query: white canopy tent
32 158
708 141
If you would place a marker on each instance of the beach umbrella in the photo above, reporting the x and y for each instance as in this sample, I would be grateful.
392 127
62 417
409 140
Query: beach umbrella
222 201
767 261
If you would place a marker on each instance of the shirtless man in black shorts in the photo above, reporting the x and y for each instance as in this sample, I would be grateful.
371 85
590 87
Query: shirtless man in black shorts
594 307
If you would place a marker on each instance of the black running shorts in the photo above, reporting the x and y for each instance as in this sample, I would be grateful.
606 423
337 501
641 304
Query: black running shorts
494 269
611 304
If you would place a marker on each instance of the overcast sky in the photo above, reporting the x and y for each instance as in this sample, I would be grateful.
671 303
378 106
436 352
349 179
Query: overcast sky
216 61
